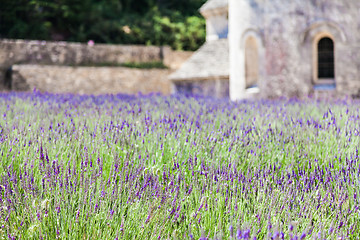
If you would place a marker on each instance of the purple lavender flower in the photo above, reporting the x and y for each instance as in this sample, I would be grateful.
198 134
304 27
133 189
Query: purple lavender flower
303 236
291 228
238 234
231 229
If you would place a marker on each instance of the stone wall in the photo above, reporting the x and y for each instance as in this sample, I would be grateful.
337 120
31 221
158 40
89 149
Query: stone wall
63 53
286 32
174 59
90 80
56 67
218 88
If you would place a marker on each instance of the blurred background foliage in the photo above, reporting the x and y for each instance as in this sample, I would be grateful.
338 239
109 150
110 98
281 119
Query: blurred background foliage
176 23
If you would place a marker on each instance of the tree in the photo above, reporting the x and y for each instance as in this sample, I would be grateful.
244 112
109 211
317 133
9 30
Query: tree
176 23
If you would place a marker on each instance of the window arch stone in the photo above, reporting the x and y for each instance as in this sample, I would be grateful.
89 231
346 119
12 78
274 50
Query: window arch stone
251 63
310 39
252 45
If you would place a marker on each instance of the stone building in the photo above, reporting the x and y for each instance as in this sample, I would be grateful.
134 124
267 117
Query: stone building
280 48
207 70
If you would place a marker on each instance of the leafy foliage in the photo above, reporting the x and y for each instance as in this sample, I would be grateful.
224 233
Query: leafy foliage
176 23
140 65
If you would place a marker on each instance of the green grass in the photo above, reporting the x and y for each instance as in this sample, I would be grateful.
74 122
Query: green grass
139 65
149 167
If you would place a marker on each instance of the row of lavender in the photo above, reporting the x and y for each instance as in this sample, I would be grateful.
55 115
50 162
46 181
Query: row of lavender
151 167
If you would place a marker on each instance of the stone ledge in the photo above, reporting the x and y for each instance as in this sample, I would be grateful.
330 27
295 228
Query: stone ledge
90 80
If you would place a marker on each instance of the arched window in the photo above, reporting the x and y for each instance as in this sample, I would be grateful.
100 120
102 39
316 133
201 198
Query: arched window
326 66
251 62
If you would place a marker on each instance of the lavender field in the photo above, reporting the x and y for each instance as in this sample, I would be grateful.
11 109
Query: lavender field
152 167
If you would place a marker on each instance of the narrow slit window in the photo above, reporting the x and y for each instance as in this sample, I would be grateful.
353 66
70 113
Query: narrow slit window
326 66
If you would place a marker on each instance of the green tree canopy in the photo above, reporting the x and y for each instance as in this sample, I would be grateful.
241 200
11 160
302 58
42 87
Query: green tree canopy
176 23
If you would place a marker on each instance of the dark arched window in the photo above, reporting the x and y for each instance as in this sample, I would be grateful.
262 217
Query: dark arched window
326 66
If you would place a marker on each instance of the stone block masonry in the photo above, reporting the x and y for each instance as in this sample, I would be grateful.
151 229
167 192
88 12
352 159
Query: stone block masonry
215 87
60 67
291 54
63 53
90 80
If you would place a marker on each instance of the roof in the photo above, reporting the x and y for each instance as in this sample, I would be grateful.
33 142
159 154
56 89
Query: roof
213 4
211 60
